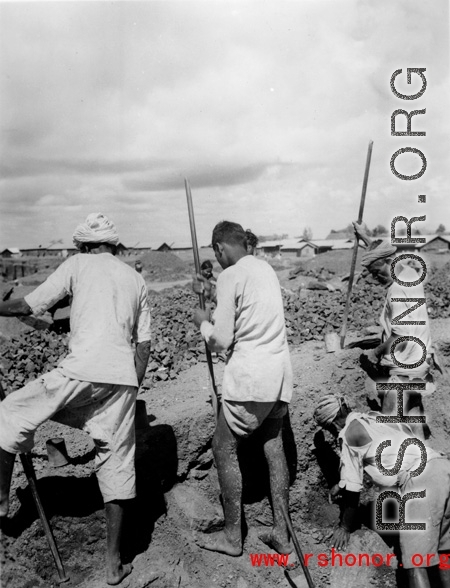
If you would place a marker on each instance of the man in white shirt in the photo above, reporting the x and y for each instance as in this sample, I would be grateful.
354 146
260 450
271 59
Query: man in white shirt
94 387
248 323
378 362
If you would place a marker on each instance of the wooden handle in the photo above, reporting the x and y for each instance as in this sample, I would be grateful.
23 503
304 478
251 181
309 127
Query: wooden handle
356 245
201 296
28 468
297 547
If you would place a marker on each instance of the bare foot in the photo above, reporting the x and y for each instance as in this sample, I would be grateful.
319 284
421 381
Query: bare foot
272 541
218 542
116 578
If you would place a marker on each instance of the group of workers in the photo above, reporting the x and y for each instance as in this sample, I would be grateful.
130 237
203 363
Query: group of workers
94 388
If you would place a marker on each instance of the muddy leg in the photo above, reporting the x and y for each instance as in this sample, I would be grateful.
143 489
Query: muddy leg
418 578
6 469
278 538
115 571
444 574
225 445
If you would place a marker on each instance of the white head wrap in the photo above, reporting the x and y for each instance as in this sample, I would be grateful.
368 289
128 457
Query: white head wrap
97 228
328 408
384 249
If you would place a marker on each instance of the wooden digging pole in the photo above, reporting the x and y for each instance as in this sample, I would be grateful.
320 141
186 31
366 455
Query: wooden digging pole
201 296
356 245
28 468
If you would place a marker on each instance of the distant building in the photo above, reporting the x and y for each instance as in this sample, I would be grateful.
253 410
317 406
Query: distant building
436 243
300 248
11 252
60 250
304 249
145 247
181 246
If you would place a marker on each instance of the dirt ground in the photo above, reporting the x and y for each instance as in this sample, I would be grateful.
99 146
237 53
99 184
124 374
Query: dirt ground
178 491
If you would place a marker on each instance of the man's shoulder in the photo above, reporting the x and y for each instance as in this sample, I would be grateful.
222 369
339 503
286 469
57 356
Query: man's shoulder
110 264
250 263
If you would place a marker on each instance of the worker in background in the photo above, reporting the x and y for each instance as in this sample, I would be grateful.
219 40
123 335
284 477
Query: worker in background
206 272
257 381
94 388
252 242
378 362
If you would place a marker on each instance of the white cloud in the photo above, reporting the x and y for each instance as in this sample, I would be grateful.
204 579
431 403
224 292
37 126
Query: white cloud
267 107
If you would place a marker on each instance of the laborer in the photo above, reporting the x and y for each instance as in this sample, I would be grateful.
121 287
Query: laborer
94 388
252 242
210 281
379 363
360 435
257 382
206 269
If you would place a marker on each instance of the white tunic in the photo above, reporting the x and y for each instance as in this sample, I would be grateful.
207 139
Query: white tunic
109 314
249 320
407 352
354 460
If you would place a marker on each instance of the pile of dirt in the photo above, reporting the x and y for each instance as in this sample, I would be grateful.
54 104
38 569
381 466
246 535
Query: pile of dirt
437 290
177 482
312 314
30 354
177 343
179 493
164 266
338 262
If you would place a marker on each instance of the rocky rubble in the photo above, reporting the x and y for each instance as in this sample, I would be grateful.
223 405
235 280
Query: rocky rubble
437 290
177 343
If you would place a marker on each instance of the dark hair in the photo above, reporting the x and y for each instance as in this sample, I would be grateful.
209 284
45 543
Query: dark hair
86 247
207 263
252 239
228 232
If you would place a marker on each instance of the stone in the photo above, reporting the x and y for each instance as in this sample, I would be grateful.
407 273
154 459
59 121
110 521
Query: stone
200 513
355 576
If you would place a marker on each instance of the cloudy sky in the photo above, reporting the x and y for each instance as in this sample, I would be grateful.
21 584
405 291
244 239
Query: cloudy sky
266 106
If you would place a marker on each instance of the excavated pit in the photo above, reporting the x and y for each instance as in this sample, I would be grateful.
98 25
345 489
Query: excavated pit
178 491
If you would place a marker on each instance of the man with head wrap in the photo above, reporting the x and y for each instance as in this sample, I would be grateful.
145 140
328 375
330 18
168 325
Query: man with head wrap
377 259
94 388
360 436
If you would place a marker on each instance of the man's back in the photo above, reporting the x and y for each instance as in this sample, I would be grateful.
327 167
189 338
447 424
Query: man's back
407 352
259 306
249 319
109 309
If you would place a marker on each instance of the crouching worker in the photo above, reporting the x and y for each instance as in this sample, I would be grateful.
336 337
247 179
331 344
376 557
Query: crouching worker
257 383
94 388
360 436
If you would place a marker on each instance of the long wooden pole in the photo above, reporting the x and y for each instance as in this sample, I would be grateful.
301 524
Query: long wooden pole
28 468
356 245
201 297
298 549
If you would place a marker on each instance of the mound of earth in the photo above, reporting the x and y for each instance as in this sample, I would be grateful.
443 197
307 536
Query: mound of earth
164 266
179 494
